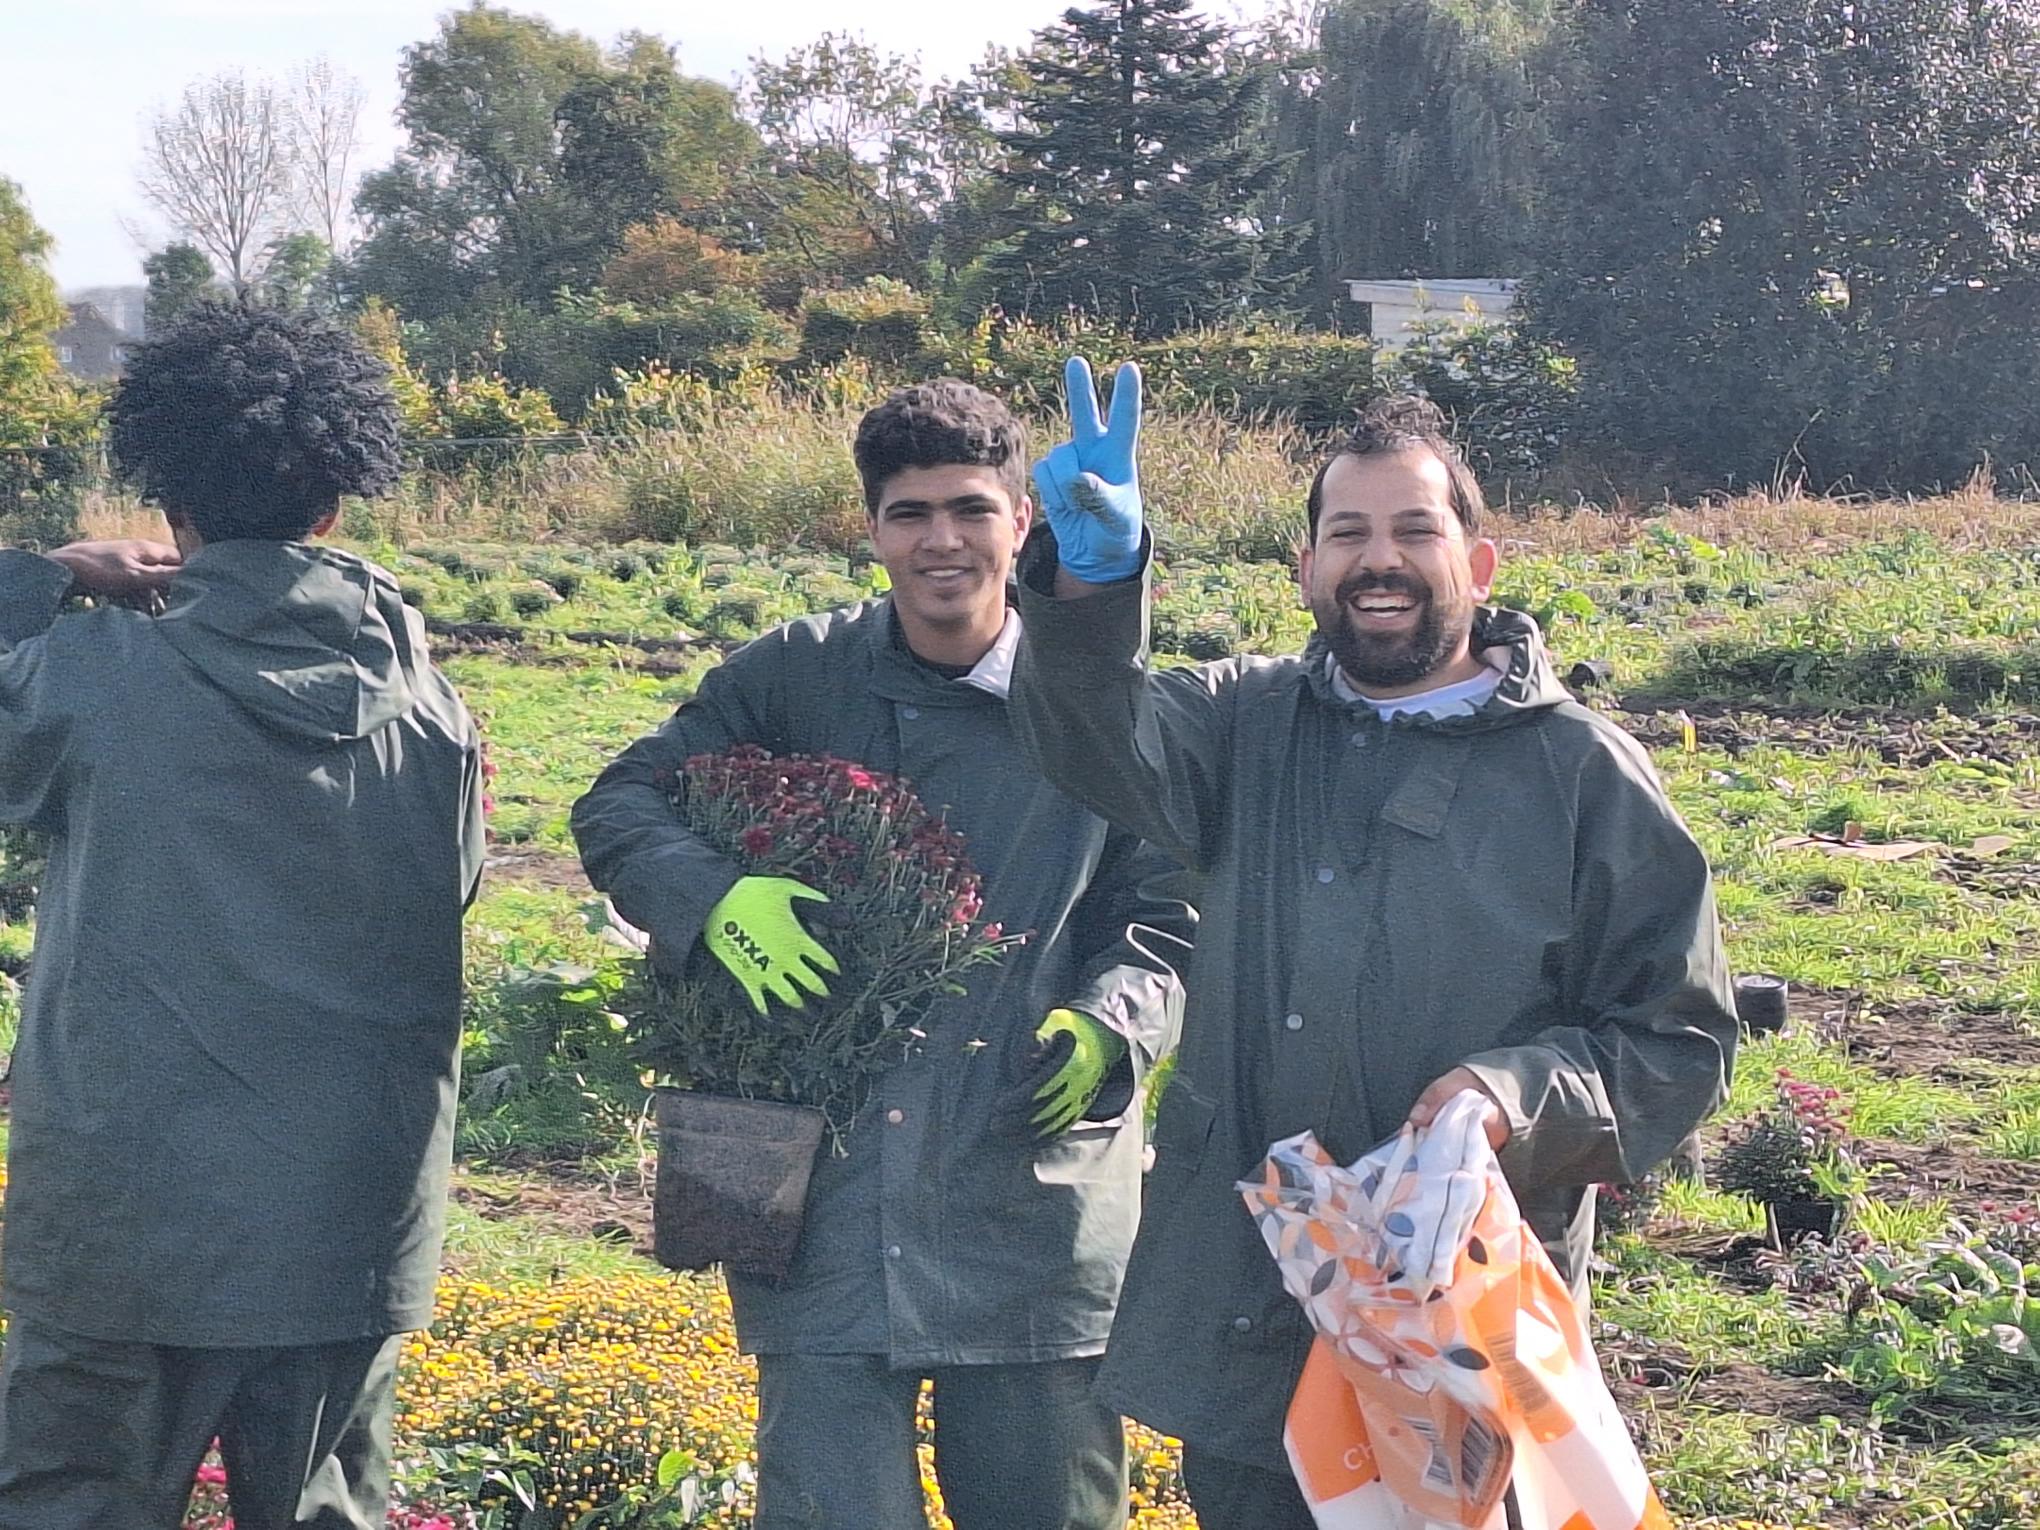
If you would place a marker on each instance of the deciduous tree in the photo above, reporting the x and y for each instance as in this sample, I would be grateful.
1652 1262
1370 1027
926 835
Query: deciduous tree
1800 236
178 275
324 106
218 166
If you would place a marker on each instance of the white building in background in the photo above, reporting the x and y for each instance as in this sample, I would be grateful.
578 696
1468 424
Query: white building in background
1396 307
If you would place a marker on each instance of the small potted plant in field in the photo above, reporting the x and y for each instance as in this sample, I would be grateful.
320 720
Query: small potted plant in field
1795 1160
1623 1209
747 1098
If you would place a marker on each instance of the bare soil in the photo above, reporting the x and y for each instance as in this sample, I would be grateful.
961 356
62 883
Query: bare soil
565 1203
549 870
1898 739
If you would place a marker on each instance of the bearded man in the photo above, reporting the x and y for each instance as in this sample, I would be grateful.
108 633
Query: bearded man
1423 868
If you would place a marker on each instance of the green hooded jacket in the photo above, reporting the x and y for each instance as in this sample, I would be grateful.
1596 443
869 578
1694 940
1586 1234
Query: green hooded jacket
946 1236
233 1091
1380 903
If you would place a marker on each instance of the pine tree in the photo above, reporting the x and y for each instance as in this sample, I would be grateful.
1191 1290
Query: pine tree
1133 174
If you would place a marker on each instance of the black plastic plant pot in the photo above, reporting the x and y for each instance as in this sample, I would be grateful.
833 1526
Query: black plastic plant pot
1794 1221
733 1182
1761 1003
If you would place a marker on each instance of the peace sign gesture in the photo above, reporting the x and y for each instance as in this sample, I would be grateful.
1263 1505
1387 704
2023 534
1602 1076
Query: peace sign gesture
1090 485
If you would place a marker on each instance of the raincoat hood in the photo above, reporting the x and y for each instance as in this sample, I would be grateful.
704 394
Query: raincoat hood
313 641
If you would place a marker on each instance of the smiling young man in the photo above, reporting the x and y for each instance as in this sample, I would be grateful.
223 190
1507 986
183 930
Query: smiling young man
1424 869
978 1229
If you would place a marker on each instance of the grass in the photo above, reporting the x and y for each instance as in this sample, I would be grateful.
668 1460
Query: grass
1844 666
543 766
517 1251
1856 744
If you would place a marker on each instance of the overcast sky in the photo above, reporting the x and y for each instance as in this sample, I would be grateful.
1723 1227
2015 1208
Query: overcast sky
77 77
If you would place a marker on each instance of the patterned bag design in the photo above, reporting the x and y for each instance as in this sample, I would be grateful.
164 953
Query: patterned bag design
1450 1363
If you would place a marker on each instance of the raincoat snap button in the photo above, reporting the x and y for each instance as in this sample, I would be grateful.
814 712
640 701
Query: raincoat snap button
910 713
896 1115
1294 1022
892 1251
1325 874
1242 1324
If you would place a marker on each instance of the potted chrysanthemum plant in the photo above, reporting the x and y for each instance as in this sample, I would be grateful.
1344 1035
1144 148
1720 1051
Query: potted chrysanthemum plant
749 1096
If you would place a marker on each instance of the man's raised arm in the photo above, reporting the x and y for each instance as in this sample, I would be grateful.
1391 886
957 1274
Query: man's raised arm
1148 752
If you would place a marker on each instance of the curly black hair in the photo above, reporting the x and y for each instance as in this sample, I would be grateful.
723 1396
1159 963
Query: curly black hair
938 424
1397 424
249 422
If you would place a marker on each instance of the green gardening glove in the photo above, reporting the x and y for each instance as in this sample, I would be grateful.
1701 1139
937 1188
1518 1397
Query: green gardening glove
1095 1050
753 931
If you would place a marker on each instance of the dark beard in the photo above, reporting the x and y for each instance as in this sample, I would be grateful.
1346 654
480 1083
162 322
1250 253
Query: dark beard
1385 661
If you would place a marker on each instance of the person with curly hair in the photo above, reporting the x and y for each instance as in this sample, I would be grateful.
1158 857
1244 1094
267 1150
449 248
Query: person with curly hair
233 1090
974 1231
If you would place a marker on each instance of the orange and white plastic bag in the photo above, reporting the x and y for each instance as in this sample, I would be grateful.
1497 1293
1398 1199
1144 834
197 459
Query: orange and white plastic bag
1450 1364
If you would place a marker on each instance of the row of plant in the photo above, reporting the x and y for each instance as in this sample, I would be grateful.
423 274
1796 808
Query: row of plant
1665 613
1920 1329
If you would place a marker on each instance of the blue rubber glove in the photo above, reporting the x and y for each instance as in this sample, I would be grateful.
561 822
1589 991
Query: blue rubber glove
1090 485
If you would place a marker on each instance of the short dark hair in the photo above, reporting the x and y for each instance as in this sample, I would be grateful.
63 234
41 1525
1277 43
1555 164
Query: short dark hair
249 422
939 424
1397 425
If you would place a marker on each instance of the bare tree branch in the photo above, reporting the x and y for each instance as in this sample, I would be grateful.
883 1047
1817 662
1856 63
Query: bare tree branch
217 166
324 113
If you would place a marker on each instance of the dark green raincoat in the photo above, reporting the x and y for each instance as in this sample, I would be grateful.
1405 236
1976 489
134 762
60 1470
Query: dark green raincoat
234 1086
944 1237
1381 902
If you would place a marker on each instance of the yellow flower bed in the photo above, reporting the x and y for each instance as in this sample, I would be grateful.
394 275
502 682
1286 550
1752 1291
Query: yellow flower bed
598 1378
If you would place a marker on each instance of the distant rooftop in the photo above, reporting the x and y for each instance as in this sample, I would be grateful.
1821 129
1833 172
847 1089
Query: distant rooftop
1440 292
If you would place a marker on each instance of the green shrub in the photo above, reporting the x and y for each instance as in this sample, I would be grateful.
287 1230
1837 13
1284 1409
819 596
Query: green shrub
739 612
1246 374
49 453
493 408
563 579
883 322
1511 398
573 353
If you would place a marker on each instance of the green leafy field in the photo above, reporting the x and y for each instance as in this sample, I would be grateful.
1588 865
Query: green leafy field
1841 700
1859 687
